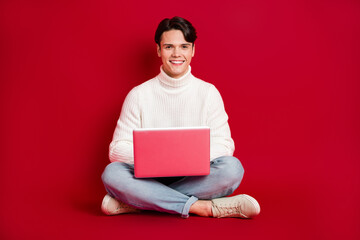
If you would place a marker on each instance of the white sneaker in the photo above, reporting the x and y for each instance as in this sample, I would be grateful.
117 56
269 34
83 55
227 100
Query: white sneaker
242 206
111 206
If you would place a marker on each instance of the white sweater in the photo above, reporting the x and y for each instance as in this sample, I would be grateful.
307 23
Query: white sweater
168 102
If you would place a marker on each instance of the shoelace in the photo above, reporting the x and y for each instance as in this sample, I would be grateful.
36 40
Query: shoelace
226 211
123 206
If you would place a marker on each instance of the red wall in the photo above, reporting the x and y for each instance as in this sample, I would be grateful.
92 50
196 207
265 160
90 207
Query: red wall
288 72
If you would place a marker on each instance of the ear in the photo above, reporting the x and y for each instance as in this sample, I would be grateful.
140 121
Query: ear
158 50
193 50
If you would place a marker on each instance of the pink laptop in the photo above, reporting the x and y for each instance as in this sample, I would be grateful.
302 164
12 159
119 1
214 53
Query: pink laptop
170 152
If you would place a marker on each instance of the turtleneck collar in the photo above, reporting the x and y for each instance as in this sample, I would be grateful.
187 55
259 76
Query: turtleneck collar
175 82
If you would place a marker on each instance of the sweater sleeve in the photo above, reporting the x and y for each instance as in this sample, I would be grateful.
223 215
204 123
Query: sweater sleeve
121 146
221 143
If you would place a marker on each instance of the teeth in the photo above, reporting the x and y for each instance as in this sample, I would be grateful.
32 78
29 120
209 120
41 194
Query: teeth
177 62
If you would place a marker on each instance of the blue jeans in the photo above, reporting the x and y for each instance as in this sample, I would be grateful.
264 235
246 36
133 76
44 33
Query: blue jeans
172 195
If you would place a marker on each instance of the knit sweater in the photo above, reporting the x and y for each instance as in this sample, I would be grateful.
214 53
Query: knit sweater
168 102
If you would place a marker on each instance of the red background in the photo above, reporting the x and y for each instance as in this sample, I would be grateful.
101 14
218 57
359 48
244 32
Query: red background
289 75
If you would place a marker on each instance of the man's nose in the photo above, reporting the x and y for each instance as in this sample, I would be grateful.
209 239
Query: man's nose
176 52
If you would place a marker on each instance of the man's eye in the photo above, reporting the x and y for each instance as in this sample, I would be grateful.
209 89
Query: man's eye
167 47
185 47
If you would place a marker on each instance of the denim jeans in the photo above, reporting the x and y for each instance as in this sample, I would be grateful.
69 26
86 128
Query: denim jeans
172 195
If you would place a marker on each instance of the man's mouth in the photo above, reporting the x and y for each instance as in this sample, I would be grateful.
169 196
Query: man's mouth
177 61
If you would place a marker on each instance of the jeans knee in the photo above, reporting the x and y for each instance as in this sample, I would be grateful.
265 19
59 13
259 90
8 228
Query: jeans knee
232 169
111 171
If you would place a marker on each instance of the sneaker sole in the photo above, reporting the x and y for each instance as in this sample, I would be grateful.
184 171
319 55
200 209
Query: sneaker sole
254 202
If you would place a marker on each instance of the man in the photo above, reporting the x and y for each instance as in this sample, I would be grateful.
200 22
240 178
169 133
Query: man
175 98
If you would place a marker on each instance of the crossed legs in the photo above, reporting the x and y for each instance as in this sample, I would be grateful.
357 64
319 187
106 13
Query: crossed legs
183 196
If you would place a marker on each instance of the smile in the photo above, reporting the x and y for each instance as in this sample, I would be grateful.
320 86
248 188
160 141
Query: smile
177 61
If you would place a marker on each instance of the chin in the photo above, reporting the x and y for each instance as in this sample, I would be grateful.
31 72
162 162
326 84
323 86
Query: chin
179 72
176 73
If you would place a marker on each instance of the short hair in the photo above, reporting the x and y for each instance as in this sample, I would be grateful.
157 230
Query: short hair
177 23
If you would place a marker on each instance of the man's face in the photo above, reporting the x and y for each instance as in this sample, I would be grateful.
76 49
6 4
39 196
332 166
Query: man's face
175 53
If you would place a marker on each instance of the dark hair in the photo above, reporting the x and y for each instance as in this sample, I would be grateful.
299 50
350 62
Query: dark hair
177 23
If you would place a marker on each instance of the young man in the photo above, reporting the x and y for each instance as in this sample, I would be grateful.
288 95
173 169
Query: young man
175 98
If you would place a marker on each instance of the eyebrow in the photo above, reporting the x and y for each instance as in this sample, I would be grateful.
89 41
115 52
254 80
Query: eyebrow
169 44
